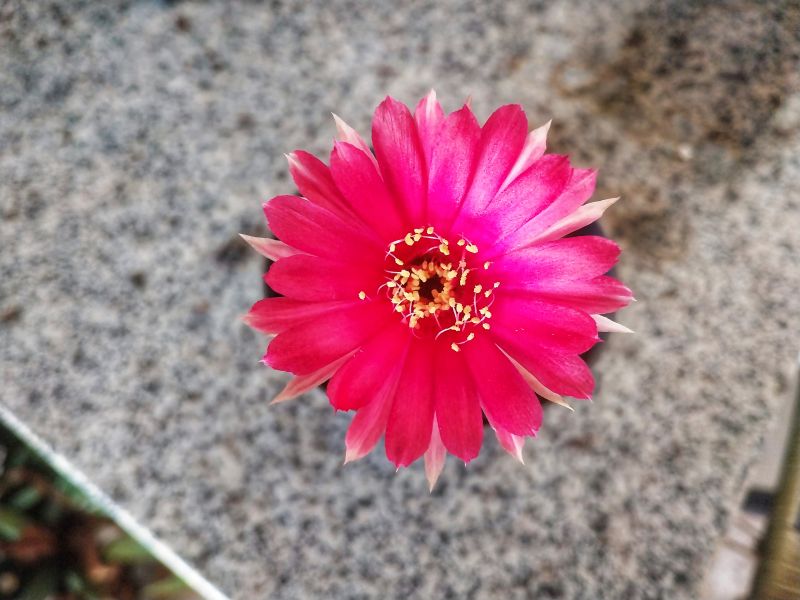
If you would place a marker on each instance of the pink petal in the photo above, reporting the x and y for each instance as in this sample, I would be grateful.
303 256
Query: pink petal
408 432
274 315
357 382
534 268
511 443
501 141
526 321
577 191
313 179
564 373
303 383
429 116
509 403
361 184
345 133
535 145
318 231
305 277
602 294
369 423
401 157
529 195
537 386
306 348
585 215
452 160
269 248
606 324
458 409
434 457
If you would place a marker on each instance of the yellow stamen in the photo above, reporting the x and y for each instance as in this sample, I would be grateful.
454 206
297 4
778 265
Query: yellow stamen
362 295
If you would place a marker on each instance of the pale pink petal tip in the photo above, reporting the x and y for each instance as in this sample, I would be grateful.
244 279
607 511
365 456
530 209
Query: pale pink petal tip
345 133
533 150
434 457
353 454
269 248
303 383
606 324
583 216
511 443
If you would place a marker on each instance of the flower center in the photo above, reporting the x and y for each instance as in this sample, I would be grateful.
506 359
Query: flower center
438 288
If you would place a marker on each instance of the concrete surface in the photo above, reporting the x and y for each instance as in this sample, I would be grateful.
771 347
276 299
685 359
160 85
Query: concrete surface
137 140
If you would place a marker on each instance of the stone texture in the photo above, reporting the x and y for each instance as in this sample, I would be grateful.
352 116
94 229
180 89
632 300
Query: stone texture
136 141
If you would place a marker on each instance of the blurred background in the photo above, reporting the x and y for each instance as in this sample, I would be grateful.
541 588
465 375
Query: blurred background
138 138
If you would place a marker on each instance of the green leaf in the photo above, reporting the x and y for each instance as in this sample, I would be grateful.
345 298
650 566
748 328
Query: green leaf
126 551
25 498
11 524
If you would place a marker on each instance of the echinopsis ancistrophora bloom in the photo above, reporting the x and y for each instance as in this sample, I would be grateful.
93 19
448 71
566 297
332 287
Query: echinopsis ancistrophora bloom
431 281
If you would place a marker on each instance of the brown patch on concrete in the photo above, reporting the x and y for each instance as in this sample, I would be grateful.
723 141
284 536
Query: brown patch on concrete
698 72
696 86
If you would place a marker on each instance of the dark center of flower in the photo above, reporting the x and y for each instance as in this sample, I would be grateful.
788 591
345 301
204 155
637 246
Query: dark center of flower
438 288
428 290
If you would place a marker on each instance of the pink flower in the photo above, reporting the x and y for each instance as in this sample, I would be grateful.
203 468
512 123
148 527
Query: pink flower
431 281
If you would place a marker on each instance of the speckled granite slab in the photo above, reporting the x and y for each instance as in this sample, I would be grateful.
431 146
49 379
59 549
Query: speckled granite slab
137 140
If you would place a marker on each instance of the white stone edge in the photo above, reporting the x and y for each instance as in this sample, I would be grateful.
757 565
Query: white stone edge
123 518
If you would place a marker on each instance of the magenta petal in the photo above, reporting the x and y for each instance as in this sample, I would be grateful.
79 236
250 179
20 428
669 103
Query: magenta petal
358 381
369 423
318 231
358 179
528 195
313 179
578 190
524 320
429 117
561 372
458 409
602 294
452 162
306 277
308 347
273 315
408 431
568 259
509 402
502 139
401 157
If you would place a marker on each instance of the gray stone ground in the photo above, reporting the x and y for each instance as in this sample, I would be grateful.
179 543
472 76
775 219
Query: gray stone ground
137 140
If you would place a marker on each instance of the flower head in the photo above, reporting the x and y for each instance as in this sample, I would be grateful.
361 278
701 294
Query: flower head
431 281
